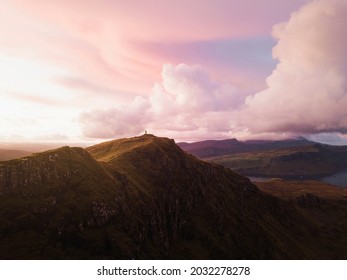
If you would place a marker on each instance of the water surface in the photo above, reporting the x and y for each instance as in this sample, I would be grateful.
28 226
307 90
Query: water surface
338 179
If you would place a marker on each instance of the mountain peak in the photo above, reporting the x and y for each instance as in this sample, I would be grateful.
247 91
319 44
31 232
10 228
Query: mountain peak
142 197
107 151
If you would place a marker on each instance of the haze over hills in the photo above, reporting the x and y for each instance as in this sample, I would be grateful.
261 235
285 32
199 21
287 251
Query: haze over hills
144 197
8 154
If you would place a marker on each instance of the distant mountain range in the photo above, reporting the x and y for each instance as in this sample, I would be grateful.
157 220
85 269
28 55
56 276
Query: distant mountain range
293 158
145 198
215 148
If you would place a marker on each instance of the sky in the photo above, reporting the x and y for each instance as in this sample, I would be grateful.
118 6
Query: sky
94 70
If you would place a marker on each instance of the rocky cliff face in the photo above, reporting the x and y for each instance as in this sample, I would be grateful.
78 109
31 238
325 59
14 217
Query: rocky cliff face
142 197
55 167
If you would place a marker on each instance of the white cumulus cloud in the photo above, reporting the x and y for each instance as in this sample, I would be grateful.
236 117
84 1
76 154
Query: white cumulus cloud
307 92
186 99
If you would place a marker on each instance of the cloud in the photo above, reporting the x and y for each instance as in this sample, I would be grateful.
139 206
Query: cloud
242 61
307 92
27 97
186 100
330 138
103 42
165 20
191 89
121 121
111 52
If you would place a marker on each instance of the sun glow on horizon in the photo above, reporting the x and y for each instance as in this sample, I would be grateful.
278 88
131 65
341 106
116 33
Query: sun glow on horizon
31 104
81 70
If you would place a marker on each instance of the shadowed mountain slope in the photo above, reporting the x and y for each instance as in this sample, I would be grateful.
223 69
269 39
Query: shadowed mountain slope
144 197
322 204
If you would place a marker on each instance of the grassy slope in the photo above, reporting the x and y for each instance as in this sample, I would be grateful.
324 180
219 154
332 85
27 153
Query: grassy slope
145 198
292 189
251 225
47 199
322 204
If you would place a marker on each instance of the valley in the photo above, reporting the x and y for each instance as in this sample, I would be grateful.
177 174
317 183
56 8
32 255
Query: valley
286 159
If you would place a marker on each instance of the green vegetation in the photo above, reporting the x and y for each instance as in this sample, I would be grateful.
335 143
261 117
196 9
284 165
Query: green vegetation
321 204
144 197
295 162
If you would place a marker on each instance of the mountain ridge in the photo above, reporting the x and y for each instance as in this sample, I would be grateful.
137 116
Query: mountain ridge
288 159
145 198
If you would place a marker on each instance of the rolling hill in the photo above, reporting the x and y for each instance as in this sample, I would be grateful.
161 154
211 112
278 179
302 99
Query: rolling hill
312 161
145 198
8 154
216 148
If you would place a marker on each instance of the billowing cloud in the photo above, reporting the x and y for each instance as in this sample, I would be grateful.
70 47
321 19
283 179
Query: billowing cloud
190 89
186 100
104 58
307 92
59 57
111 122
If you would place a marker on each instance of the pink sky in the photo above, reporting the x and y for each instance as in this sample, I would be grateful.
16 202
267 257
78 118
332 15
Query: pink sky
87 70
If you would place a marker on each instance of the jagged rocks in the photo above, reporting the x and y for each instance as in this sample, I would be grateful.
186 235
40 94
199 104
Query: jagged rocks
308 200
